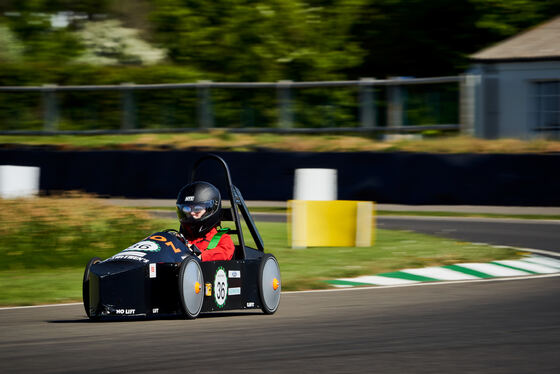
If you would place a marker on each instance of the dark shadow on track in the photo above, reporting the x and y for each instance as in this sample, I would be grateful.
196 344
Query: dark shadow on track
156 318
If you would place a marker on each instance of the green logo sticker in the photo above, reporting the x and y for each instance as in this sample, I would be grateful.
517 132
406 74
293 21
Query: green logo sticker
220 287
146 245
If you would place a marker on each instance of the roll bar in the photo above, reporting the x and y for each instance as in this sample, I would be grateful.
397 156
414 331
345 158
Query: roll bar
237 203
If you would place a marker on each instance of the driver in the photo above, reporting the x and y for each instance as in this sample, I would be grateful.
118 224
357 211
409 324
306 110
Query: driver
199 212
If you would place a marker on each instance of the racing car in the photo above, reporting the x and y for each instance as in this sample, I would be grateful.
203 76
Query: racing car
160 275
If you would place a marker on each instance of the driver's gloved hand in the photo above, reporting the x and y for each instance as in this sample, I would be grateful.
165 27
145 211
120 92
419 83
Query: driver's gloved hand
195 249
180 236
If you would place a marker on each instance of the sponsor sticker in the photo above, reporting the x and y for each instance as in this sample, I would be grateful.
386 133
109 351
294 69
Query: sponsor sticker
127 257
146 245
234 274
234 291
152 270
250 304
208 289
220 287
125 311
134 253
189 198
155 310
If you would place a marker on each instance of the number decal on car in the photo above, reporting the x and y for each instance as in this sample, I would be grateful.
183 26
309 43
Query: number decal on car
220 287
160 238
146 246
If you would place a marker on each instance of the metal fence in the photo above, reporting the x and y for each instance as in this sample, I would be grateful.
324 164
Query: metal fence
366 105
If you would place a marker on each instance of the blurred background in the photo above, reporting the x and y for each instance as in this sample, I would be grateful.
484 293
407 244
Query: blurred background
363 55
445 113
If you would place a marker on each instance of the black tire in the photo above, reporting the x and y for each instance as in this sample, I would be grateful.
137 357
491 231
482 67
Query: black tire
270 284
85 284
191 287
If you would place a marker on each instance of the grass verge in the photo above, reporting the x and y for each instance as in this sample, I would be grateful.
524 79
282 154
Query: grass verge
220 140
301 269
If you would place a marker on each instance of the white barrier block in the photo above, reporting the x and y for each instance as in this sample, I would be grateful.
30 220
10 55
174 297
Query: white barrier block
315 184
18 181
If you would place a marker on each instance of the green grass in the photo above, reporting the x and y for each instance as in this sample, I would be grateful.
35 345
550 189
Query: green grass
44 248
220 140
301 268
40 286
393 250
61 231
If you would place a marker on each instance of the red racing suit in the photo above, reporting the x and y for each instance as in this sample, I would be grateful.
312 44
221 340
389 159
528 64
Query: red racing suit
223 251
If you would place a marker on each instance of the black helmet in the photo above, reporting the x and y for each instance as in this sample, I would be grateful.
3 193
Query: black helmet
194 198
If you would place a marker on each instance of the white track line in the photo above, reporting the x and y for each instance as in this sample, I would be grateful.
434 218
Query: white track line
38 306
543 261
493 270
523 265
375 279
439 273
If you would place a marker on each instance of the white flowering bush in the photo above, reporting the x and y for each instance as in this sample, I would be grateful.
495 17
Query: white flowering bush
109 43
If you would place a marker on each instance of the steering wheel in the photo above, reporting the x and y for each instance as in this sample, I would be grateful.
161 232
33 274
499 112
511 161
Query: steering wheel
192 247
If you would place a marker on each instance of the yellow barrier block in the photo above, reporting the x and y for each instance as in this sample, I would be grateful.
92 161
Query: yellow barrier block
337 223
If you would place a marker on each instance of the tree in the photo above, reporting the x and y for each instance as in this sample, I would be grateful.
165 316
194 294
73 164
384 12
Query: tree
435 37
41 41
257 40
499 19
12 49
89 7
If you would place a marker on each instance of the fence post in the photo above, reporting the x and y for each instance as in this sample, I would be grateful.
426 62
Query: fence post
467 108
368 110
205 117
394 103
284 98
128 107
50 108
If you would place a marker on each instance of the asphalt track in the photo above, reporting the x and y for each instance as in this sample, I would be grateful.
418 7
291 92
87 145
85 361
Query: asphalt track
535 234
496 326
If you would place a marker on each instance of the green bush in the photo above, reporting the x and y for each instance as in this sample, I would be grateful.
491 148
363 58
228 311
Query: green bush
52 232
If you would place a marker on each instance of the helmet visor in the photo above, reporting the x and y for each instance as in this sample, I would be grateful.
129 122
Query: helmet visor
196 210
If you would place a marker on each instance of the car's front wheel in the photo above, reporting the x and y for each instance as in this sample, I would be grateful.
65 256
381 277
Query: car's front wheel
85 284
191 287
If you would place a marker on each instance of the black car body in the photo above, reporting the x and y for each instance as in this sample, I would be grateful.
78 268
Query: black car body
160 275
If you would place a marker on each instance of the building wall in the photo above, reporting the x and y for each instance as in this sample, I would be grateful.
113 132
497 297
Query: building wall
505 107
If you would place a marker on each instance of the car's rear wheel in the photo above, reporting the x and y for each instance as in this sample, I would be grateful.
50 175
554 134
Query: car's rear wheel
270 284
85 284
191 287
